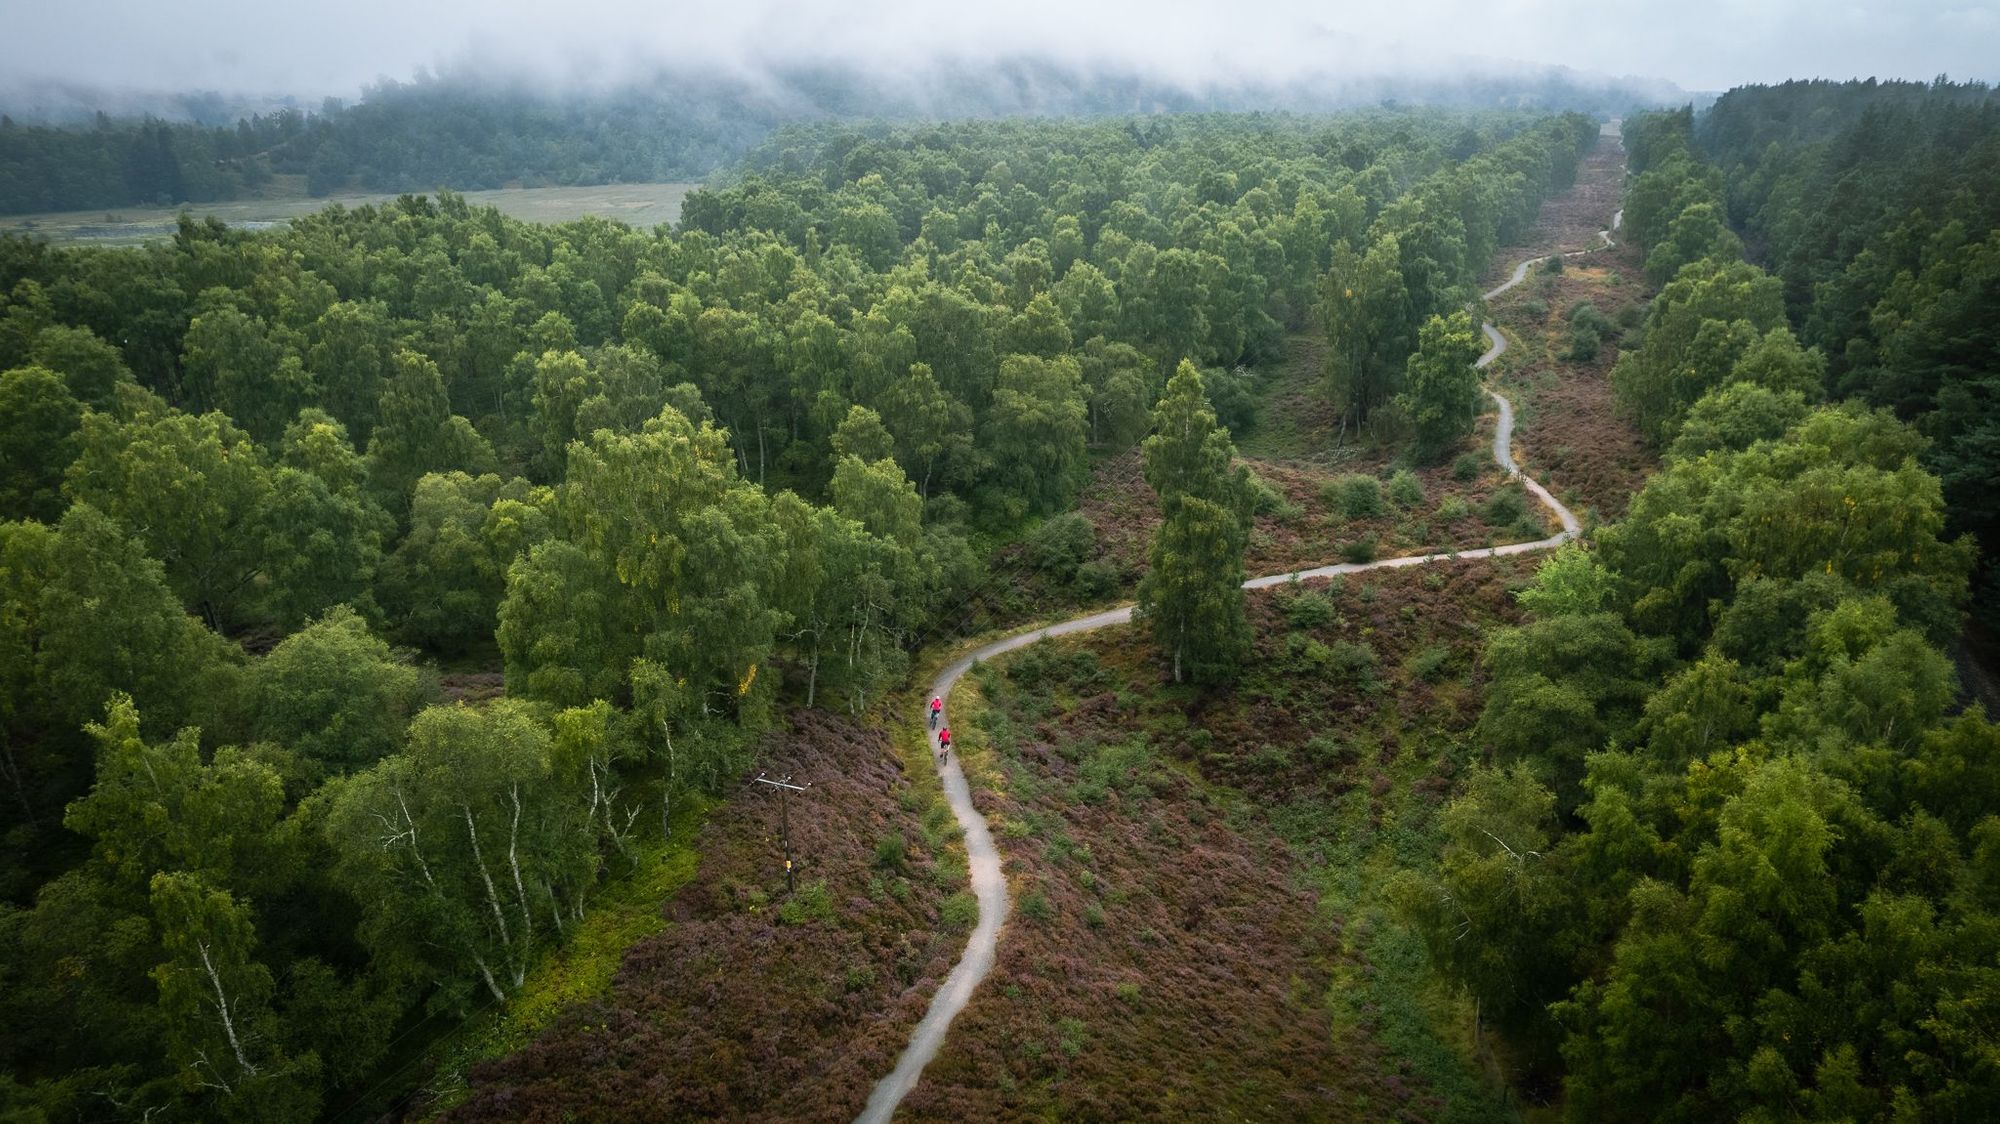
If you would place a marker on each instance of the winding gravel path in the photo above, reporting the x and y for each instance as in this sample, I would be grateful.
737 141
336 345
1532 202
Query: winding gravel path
990 886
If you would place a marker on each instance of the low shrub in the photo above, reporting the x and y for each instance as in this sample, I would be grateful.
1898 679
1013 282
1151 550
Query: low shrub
1405 490
1072 1037
1360 550
1095 581
1507 506
1357 496
1309 610
959 911
1353 661
1061 544
1584 342
1427 663
1267 499
812 902
1467 467
1035 906
892 851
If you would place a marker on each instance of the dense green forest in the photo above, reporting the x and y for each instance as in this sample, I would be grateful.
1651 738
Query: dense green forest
267 492
1873 204
1737 853
468 132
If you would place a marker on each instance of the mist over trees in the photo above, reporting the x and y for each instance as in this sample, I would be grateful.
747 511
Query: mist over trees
470 131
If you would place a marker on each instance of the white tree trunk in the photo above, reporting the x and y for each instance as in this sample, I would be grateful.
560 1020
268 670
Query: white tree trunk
514 861
492 896
222 1007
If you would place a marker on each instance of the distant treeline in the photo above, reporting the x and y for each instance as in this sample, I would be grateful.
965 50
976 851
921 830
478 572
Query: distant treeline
470 134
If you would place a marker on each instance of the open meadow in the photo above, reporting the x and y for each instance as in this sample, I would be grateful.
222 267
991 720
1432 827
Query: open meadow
641 205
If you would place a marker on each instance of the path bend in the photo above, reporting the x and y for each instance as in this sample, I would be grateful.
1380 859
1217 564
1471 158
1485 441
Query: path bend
989 885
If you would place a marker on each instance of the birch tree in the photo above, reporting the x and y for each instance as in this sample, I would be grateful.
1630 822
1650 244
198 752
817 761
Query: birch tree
220 1029
464 851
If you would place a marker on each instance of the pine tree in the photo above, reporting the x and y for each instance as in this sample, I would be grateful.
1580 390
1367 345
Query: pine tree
1192 595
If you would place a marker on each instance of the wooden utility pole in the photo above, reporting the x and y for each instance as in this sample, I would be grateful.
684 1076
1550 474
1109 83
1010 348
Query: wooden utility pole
785 789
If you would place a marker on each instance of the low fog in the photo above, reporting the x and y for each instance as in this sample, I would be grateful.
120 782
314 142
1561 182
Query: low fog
245 47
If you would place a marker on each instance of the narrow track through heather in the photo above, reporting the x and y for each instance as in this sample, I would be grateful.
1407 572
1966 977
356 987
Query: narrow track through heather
989 885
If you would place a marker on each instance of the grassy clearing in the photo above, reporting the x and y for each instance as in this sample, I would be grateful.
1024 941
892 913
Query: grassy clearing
1296 424
640 205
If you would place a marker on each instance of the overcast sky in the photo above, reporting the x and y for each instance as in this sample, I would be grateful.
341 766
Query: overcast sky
310 50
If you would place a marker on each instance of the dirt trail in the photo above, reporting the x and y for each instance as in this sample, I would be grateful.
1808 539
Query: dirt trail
983 858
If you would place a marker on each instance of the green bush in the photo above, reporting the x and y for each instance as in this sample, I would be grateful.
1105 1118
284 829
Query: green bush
1343 661
1073 1036
959 911
812 903
1453 509
1405 490
1360 550
1507 506
1309 610
1061 544
1360 496
1587 329
1586 315
1584 343
1035 906
891 851
1265 498
938 824
1467 467
1095 581
1427 662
